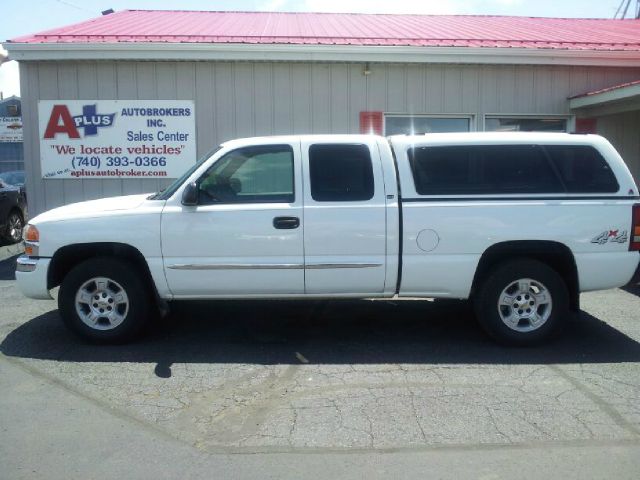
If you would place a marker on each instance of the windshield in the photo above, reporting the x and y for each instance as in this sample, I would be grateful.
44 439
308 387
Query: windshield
165 193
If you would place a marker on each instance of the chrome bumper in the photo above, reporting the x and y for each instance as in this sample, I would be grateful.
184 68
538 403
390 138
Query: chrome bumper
31 277
26 264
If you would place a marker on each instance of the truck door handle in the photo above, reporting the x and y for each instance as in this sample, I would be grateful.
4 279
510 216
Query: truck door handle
286 223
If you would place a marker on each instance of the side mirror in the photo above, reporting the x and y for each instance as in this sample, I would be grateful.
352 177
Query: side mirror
190 194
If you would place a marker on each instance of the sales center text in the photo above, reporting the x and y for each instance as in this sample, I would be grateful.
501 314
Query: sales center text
160 135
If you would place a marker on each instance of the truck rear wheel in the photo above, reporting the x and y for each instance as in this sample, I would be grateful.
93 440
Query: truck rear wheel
522 302
104 300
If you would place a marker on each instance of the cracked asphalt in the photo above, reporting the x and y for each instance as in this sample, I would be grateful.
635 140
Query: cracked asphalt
381 380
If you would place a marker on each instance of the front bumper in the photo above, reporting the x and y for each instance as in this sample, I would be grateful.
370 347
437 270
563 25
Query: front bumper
31 277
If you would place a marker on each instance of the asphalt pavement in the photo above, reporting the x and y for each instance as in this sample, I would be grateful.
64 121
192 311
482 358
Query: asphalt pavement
319 389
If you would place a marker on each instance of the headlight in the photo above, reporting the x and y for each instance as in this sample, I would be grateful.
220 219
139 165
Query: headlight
31 241
31 234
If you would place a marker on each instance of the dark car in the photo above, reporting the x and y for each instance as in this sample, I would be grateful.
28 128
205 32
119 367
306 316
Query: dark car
12 212
15 178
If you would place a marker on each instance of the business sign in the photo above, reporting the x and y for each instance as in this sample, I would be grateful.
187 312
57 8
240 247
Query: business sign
11 129
116 138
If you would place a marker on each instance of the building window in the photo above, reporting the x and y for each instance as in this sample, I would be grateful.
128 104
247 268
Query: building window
419 124
525 124
13 110
340 173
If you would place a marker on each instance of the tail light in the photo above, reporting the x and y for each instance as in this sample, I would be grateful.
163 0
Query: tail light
634 245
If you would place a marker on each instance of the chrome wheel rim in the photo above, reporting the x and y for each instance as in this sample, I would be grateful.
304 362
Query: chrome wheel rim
102 303
525 305
15 227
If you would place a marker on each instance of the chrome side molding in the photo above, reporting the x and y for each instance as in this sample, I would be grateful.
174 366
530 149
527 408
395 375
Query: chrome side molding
323 266
269 266
236 266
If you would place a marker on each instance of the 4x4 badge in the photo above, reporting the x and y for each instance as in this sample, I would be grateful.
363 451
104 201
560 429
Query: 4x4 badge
610 236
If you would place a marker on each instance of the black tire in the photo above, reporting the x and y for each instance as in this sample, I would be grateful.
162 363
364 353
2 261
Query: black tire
138 308
15 222
507 274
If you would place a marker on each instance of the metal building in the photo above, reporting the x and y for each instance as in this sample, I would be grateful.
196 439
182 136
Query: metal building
11 151
247 74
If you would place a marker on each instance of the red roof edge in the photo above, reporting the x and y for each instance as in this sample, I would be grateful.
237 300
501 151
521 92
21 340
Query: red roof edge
363 29
606 89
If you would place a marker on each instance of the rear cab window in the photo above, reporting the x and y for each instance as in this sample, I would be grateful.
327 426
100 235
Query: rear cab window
510 169
340 172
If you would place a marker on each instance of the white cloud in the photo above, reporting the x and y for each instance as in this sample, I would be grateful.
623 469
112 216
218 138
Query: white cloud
272 5
9 79
507 3
396 6
433 7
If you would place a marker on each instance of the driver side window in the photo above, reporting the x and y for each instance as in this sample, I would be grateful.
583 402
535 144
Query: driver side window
257 174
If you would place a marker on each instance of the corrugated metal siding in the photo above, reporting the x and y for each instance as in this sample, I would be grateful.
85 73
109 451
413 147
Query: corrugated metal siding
623 131
246 99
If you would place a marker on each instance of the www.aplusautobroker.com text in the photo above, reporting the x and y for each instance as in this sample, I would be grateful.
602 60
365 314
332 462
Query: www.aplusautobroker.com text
113 172
118 173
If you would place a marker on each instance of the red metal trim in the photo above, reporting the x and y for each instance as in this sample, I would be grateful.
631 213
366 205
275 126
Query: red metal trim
371 123
586 125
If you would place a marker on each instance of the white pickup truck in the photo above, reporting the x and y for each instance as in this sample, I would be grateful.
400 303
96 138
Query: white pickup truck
520 223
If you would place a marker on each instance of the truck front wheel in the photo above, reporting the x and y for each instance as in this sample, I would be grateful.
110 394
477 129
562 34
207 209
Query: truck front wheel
104 300
522 302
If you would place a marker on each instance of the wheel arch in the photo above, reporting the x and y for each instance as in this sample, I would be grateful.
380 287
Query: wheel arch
67 257
555 254
19 211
